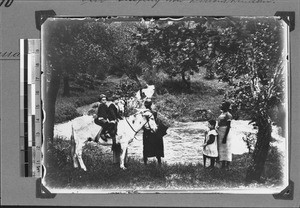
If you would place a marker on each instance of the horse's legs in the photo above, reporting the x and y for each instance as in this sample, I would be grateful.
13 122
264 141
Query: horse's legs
116 148
116 157
122 156
212 162
75 162
223 164
158 160
96 139
73 151
145 160
227 164
79 156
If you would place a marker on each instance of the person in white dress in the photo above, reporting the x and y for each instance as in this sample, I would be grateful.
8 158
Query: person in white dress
224 137
210 146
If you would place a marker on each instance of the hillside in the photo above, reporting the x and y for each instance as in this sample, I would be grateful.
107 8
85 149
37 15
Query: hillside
171 99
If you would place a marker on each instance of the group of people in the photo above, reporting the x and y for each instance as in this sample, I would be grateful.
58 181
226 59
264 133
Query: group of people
217 142
108 117
216 146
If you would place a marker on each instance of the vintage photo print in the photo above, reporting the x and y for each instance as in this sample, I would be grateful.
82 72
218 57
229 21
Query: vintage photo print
162 105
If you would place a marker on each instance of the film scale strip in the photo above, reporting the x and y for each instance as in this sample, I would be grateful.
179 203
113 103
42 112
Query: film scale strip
30 105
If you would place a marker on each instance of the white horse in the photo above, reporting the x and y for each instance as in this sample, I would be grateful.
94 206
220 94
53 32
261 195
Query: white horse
84 128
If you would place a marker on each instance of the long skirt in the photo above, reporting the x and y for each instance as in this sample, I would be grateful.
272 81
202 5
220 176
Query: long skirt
224 150
152 145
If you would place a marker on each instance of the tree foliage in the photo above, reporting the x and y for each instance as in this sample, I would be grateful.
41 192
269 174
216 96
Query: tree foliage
172 47
251 59
254 66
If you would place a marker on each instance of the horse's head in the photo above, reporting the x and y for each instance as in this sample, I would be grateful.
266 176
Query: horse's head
149 91
121 106
150 120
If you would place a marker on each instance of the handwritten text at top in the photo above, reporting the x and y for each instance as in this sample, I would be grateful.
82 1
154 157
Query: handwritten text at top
6 3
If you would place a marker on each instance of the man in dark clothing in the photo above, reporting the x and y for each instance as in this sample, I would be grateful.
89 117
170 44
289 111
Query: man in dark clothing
152 141
114 116
102 120
114 109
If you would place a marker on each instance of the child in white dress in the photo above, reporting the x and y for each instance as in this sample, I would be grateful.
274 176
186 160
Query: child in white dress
210 146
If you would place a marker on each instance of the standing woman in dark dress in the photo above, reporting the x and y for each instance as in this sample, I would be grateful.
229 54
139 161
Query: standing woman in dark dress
153 145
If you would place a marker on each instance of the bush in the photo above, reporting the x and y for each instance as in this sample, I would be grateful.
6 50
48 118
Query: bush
187 105
273 167
60 154
128 87
167 103
65 111
65 108
250 140
86 100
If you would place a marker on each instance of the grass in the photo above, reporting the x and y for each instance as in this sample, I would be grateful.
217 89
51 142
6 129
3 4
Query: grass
203 95
172 94
186 105
102 173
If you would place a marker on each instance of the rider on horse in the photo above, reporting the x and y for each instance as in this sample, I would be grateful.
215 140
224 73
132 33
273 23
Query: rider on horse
105 120
114 116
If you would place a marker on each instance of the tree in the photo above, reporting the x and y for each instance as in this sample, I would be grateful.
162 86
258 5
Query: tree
254 68
73 47
111 45
55 37
62 60
172 47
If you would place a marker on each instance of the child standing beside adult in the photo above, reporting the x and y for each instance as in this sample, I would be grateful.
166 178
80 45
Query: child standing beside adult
224 138
210 147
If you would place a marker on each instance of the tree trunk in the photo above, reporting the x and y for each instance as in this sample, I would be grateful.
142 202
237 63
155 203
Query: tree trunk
49 108
66 91
260 152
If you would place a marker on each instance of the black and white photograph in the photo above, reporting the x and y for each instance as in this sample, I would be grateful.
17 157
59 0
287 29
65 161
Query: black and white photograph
165 105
